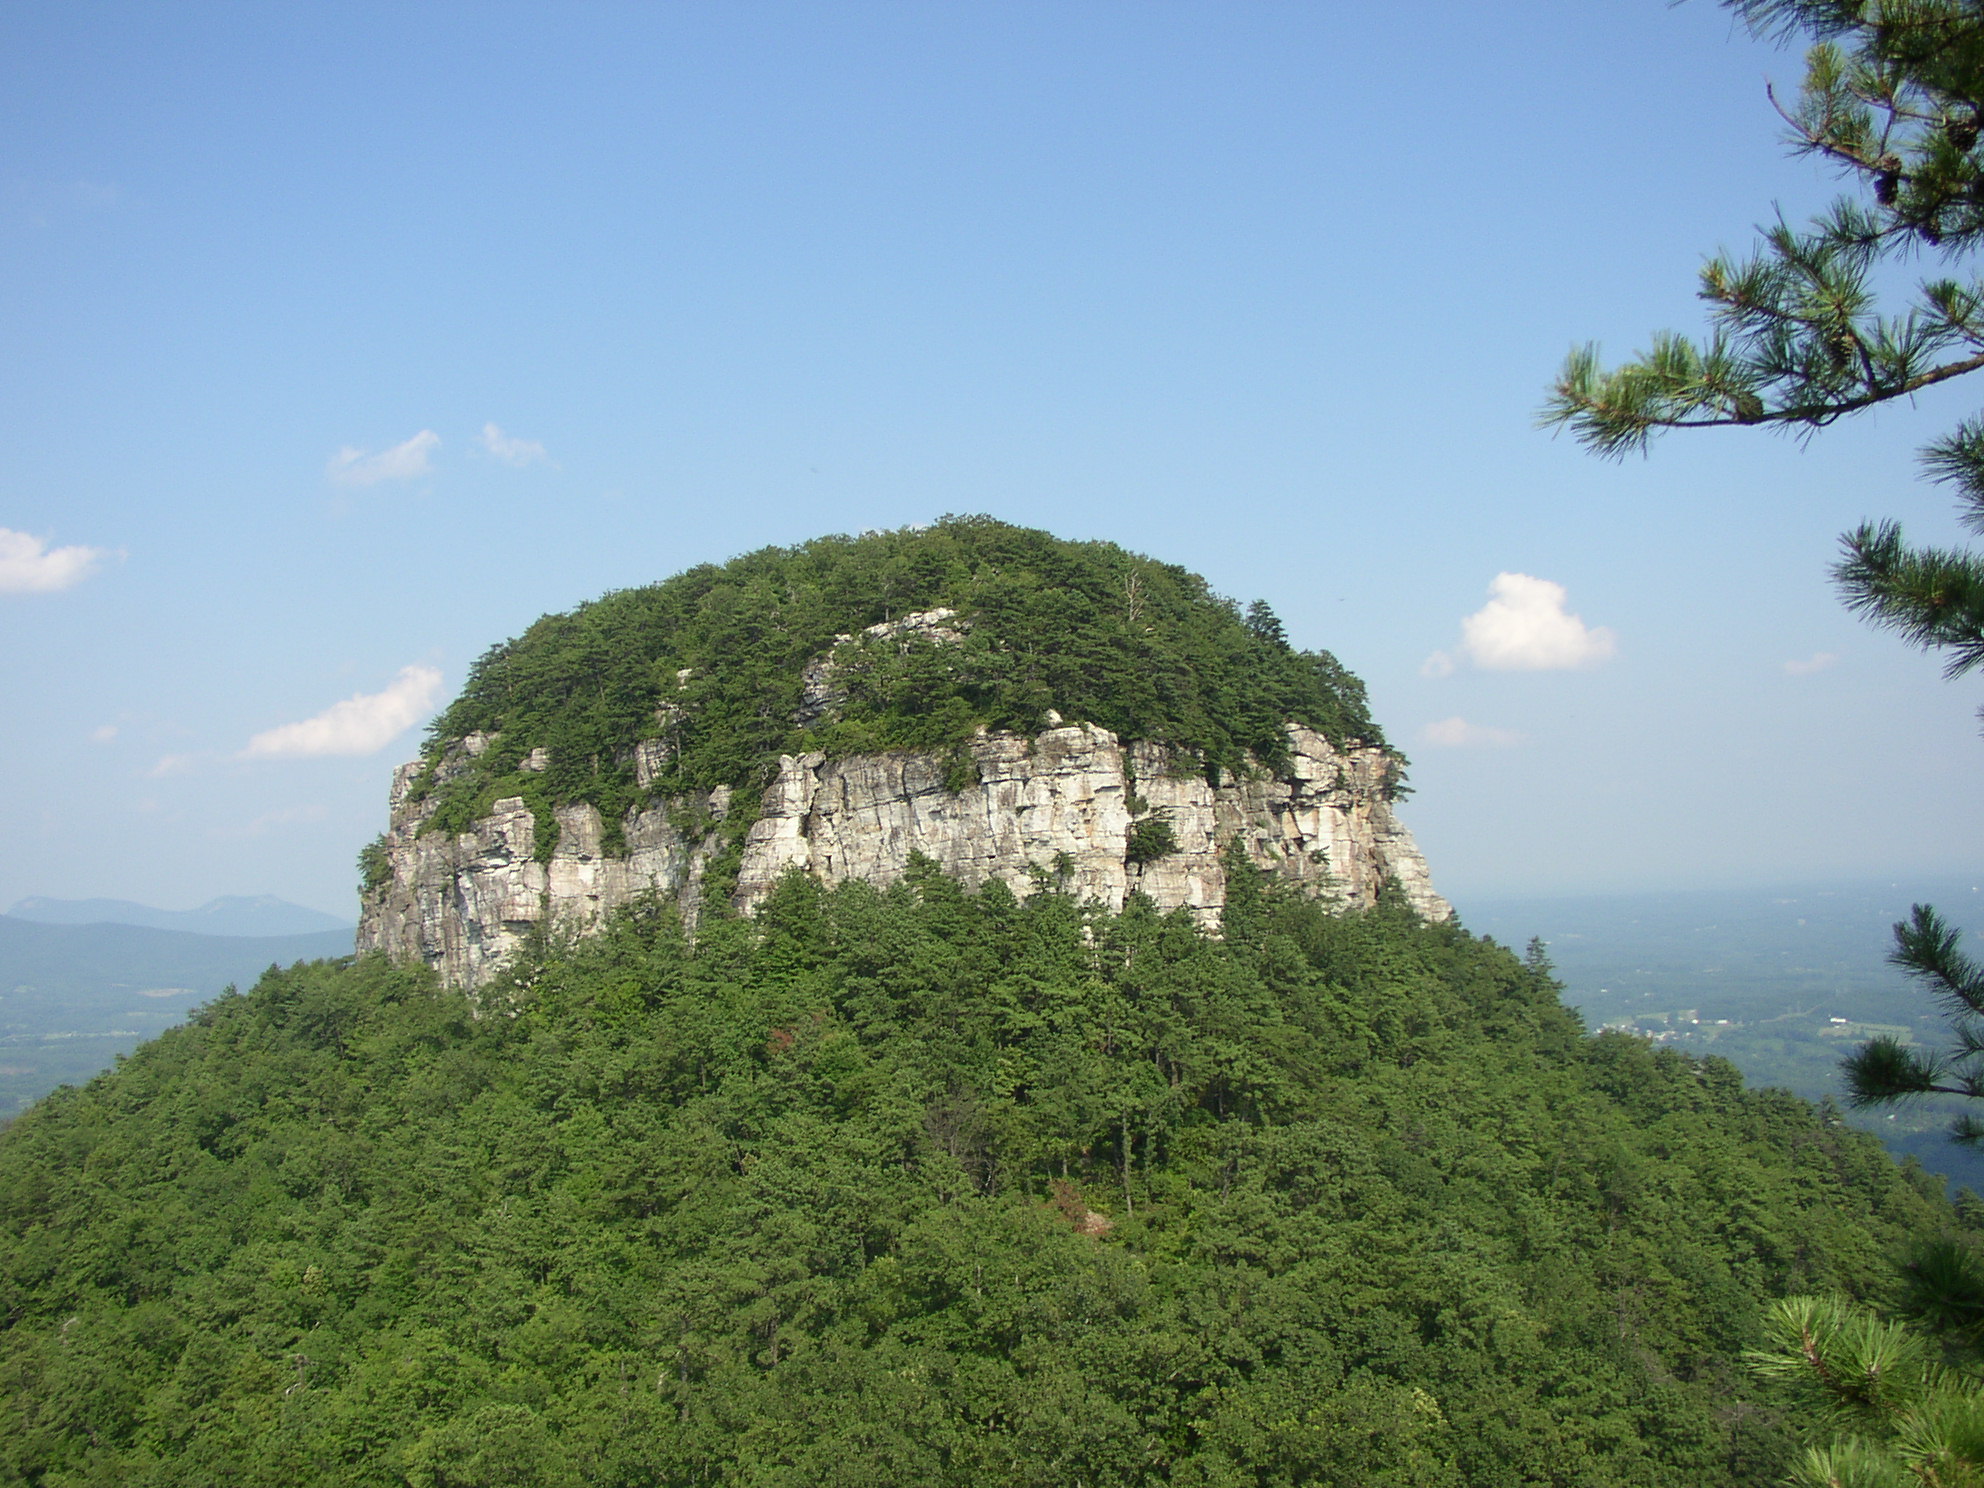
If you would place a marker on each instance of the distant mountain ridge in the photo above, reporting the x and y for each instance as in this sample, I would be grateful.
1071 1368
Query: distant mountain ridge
230 914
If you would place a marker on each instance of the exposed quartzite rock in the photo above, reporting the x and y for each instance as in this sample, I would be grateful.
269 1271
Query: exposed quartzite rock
1059 802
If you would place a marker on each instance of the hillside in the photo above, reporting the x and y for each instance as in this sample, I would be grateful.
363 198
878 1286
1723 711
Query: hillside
923 1186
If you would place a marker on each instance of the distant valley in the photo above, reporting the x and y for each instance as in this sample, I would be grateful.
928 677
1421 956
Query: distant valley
1781 982
74 996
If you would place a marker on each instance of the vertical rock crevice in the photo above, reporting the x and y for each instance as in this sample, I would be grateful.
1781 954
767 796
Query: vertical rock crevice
465 902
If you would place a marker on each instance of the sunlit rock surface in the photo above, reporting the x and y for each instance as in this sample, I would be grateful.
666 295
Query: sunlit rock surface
1058 806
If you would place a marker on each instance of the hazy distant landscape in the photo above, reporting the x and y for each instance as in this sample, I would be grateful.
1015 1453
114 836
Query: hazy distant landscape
75 995
230 914
1781 982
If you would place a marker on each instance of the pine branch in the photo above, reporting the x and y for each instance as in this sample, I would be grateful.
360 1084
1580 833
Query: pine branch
1931 597
1885 1070
1925 946
1893 95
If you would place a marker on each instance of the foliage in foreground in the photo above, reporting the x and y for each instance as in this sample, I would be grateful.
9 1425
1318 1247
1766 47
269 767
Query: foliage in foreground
922 1186
1893 1412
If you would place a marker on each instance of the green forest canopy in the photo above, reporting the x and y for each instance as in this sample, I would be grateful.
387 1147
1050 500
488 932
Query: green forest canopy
923 1186
1091 631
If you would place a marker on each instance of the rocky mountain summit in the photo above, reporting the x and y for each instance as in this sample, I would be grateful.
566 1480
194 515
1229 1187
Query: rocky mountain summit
885 742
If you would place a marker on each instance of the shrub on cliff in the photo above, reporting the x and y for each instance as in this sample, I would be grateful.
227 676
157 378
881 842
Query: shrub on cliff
711 663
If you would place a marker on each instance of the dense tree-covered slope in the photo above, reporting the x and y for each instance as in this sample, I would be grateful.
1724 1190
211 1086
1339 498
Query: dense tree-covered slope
1088 630
922 1186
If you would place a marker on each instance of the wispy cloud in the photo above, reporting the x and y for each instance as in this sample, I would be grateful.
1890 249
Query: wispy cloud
173 764
1525 627
103 733
363 724
1818 661
1458 733
28 565
407 460
510 449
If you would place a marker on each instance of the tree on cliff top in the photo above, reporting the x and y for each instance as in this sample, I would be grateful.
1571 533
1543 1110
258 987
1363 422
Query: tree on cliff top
1894 97
713 662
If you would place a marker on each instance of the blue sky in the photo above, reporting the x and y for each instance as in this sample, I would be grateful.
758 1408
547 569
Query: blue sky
351 339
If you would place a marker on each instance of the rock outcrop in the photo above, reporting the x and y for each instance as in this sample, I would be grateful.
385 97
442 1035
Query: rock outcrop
1063 806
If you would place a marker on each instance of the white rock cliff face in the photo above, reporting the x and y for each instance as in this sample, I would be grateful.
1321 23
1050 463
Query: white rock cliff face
1059 804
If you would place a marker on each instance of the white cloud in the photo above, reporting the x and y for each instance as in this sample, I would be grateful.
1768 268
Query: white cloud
103 733
1818 661
173 764
359 725
509 449
352 466
29 566
1458 733
1524 627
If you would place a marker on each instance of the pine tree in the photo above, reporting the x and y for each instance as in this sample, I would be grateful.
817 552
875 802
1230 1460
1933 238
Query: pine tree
1894 97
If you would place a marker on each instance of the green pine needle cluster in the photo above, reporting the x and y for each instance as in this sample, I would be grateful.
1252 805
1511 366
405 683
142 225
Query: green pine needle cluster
1894 1414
